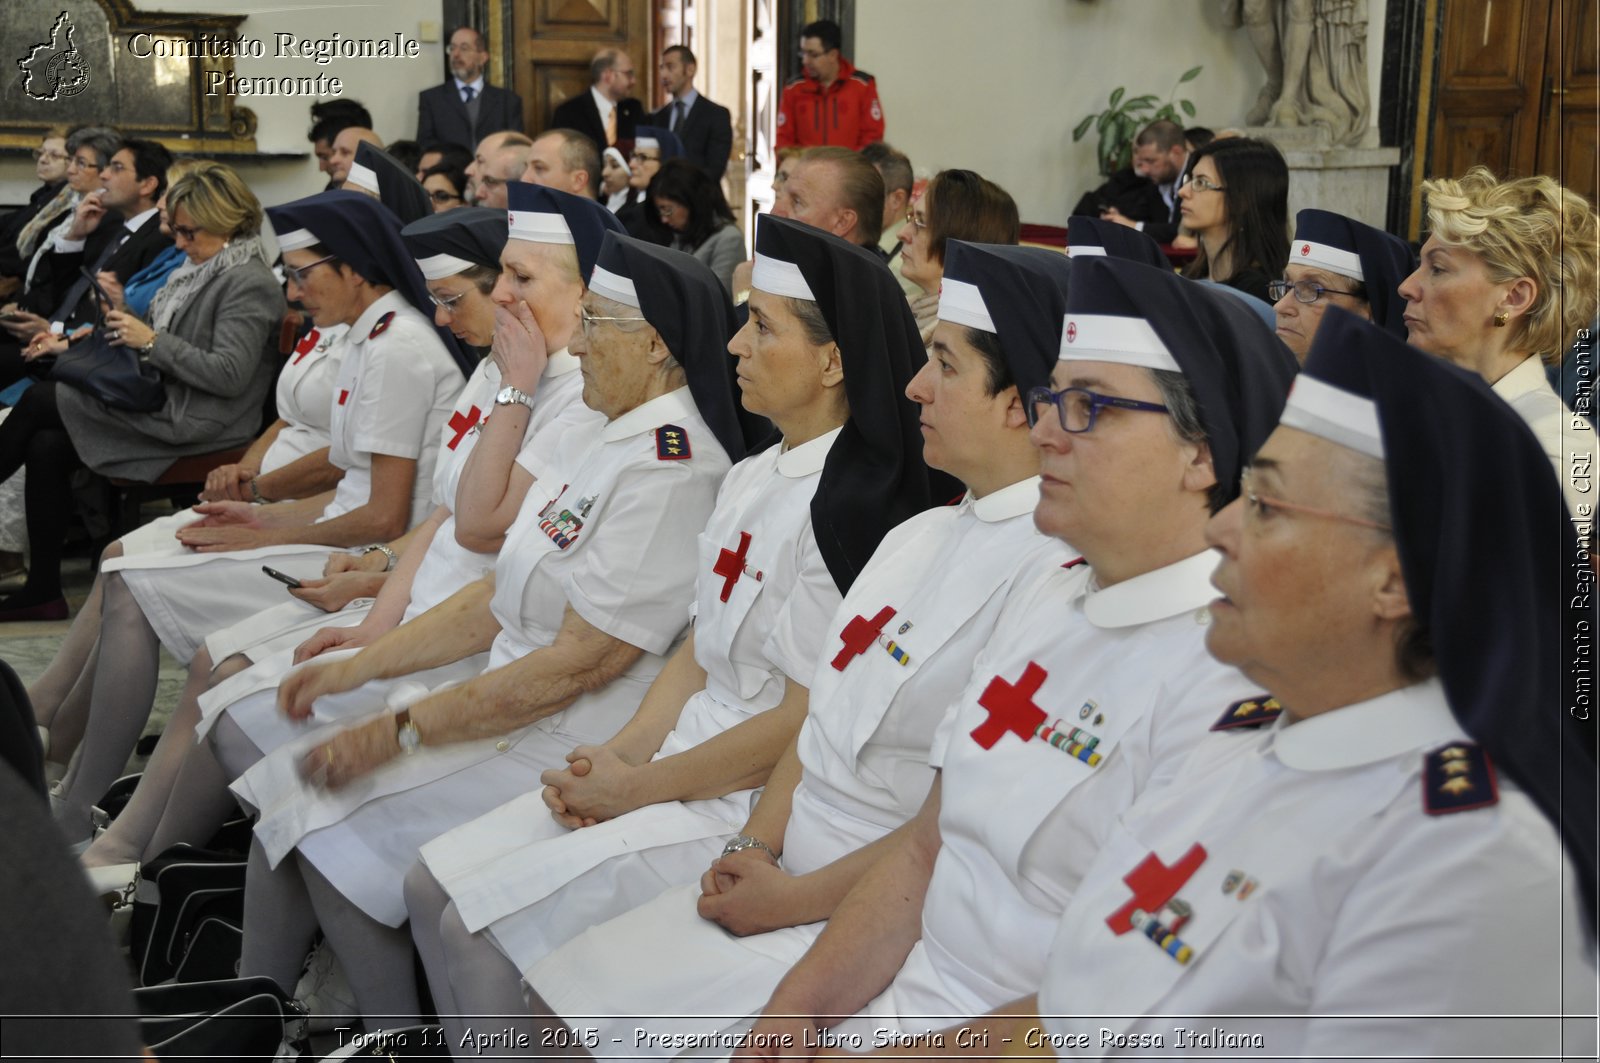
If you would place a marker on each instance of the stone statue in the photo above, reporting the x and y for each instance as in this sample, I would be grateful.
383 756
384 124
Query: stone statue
1315 55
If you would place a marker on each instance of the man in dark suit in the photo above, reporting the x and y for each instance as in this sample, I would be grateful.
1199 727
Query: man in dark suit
466 108
114 229
606 113
1145 197
705 128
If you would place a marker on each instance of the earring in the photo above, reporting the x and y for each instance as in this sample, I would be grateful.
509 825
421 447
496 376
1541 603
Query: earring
1501 319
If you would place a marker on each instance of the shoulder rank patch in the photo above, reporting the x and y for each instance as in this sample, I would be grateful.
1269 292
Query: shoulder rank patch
672 443
382 326
1458 778
1074 563
1250 712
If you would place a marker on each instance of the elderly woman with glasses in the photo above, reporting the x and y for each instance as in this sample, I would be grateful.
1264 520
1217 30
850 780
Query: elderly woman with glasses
955 205
1366 860
590 590
20 230
1338 261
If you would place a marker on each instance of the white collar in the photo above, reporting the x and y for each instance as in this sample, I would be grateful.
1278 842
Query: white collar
561 363
1416 717
475 86
1157 595
807 458
1012 500
1527 376
663 409
600 101
137 221
361 327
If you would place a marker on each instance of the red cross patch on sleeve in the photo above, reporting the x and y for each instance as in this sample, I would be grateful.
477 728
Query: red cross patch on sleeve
672 443
382 326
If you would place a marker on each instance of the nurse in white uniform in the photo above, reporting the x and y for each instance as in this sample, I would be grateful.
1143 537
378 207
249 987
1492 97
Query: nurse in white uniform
933 590
1096 681
590 592
1380 872
392 395
736 693
459 253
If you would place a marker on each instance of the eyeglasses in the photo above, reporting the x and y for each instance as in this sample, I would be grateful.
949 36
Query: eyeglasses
40 155
806 53
918 223
189 234
82 164
1202 184
448 303
670 210
439 195
1259 507
1304 291
1078 407
297 275
640 156
587 320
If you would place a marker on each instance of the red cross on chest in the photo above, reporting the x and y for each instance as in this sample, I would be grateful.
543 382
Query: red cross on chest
305 346
1011 707
461 424
860 633
1154 884
730 565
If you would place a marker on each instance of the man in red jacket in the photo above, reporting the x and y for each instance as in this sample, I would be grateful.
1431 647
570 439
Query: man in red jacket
833 103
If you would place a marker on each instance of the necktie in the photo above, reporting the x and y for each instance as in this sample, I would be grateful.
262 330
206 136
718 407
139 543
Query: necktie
611 126
80 286
678 110
467 92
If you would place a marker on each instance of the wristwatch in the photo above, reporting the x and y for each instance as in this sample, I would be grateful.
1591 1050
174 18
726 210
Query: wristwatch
406 733
739 843
509 396
385 550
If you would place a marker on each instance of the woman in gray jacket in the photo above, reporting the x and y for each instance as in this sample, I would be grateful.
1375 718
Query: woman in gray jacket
691 204
211 328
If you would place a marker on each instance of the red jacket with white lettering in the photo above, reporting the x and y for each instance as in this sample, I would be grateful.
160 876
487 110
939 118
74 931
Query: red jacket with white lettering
846 114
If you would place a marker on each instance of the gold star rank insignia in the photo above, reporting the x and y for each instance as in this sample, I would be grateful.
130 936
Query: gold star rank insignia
672 443
1249 712
1457 778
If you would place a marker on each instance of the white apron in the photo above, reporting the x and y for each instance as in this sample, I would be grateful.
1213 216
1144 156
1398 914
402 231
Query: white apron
614 540
764 596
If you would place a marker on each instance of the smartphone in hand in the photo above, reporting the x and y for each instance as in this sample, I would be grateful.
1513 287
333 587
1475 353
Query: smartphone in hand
282 577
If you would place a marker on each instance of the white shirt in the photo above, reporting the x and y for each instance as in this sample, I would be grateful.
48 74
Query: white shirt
557 410
1020 816
305 396
132 225
606 533
475 86
864 746
1323 892
1567 438
393 396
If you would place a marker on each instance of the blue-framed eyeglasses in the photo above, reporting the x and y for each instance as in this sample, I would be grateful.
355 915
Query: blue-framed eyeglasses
1078 407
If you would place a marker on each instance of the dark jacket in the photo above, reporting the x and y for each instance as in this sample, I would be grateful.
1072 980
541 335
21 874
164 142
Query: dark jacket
581 113
12 264
1137 198
707 134
441 116
58 273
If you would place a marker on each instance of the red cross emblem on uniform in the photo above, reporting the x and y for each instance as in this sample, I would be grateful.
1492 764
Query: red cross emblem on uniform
860 633
1154 884
1072 331
344 395
307 344
730 565
1305 249
1011 707
461 424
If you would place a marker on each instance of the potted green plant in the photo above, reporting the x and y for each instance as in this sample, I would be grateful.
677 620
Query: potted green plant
1124 116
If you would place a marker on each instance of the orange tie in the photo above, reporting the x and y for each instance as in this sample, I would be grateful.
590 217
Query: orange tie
611 126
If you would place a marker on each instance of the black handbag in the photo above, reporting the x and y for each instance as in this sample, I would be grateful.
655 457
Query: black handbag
178 893
116 375
235 1018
